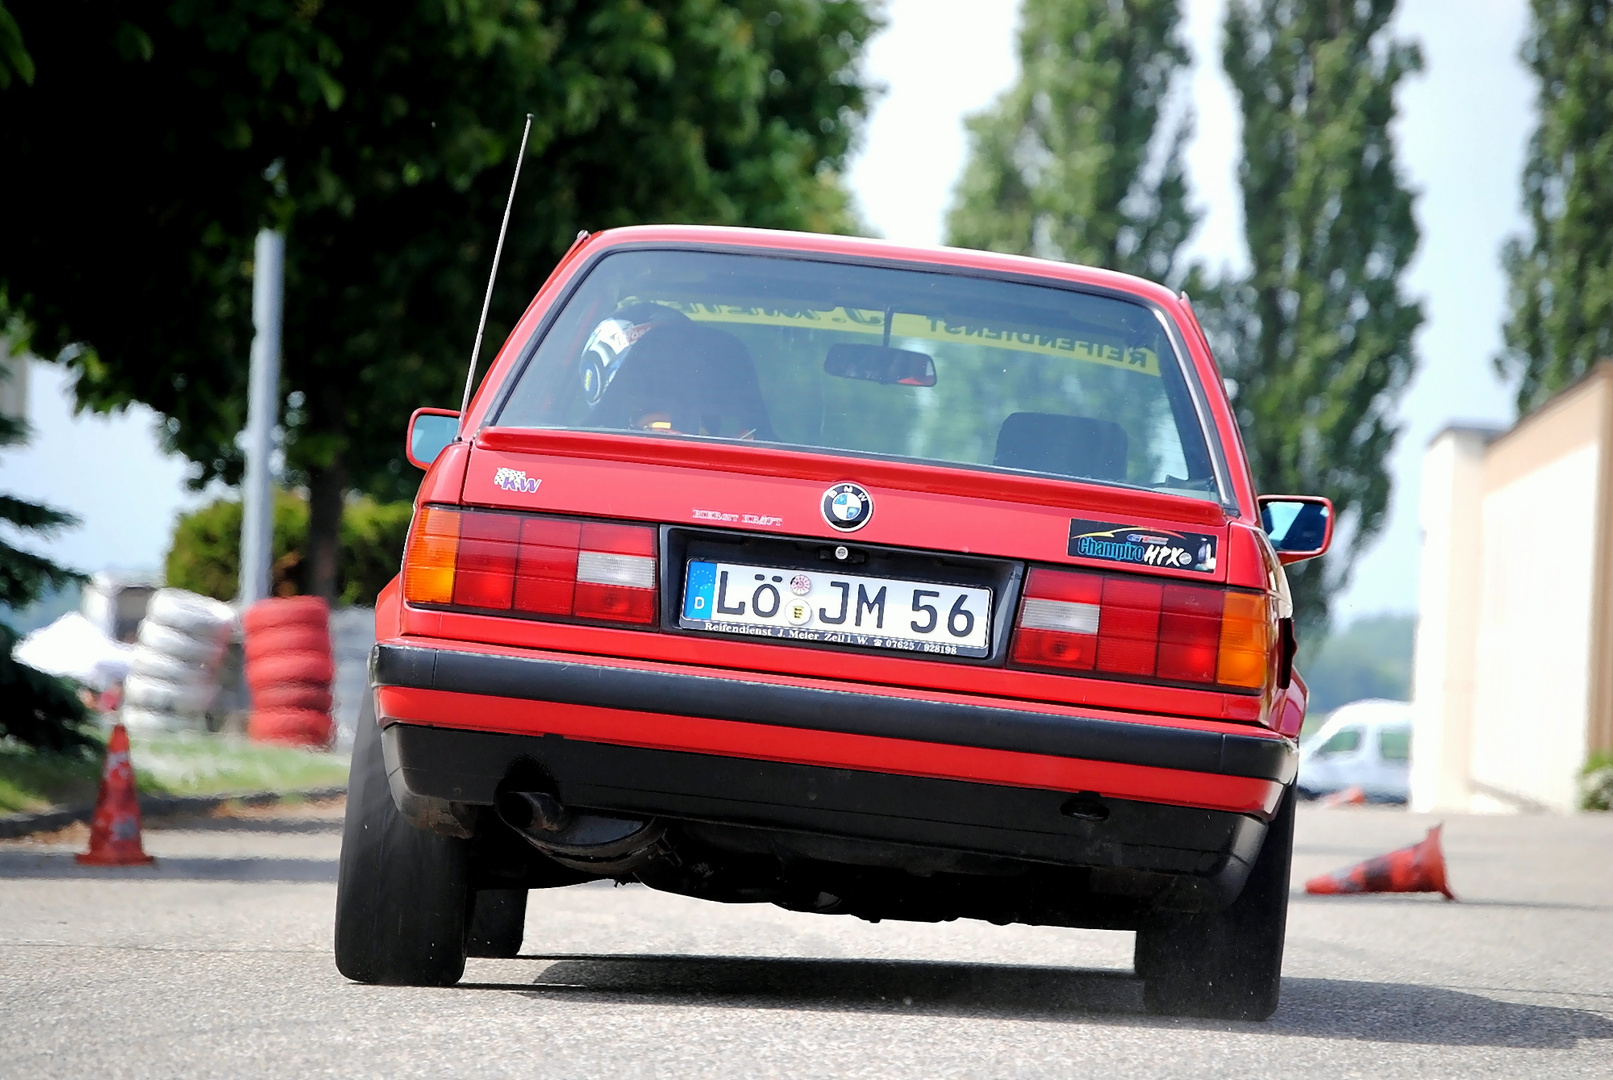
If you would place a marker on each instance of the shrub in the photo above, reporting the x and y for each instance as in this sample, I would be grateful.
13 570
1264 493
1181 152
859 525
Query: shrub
372 536
1596 784
205 555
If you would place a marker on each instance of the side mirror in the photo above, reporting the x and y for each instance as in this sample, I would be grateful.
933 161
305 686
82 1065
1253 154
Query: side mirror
880 364
430 432
1300 527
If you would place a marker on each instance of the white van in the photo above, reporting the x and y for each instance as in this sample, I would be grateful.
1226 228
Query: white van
1365 744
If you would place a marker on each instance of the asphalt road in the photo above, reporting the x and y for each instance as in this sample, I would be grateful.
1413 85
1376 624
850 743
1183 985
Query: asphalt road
217 963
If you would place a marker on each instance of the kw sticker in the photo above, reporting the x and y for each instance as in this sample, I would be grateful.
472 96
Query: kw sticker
1141 546
515 480
925 328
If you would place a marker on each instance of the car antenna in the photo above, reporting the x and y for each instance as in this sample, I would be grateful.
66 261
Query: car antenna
476 350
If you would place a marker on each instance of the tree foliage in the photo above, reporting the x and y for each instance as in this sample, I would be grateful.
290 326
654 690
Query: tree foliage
35 708
1561 276
1318 335
1068 164
205 553
160 134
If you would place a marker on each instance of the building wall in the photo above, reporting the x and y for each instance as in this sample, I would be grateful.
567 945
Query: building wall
1448 619
1532 684
1513 681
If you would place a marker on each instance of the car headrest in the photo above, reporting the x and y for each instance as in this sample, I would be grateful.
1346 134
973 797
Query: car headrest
1064 445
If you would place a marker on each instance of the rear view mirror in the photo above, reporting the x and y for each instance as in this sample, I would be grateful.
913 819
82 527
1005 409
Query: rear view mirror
1299 526
430 432
880 364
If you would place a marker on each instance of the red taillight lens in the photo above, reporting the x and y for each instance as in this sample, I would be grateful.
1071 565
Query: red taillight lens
547 573
1144 628
536 565
1128 627
1058 620
1189 633
616 573
485 574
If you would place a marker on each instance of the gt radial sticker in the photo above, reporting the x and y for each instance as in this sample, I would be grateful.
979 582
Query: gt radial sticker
1142 546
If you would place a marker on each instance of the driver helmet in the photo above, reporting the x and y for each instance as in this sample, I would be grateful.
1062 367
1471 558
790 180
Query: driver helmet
607 347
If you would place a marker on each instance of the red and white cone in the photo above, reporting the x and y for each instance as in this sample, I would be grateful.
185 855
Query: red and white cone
115 829
1418 868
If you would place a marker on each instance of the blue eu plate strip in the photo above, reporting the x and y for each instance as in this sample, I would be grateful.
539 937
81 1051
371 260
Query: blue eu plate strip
699 590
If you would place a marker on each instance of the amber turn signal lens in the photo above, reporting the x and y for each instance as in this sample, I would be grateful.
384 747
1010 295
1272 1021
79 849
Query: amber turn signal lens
428 564
1246 637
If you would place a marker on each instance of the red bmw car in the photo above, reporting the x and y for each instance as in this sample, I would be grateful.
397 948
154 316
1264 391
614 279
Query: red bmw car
849 577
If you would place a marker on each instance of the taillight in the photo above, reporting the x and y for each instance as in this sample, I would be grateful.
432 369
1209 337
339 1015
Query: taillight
532 565
1142 628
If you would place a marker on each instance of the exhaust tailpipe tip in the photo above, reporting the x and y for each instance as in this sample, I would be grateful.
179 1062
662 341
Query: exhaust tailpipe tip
532 811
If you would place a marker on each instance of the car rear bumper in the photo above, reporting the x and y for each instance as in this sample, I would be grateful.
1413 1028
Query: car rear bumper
659 706
1176 811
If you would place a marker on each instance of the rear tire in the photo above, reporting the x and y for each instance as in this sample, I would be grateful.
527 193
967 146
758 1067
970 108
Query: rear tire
497 922
401 892
1227 965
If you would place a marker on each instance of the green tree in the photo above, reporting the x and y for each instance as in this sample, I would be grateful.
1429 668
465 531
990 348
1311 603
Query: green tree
1561 277
1067 164
35 708
381 137
1318 336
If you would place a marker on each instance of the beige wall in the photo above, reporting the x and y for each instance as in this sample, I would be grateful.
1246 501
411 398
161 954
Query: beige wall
1447 625
1512 679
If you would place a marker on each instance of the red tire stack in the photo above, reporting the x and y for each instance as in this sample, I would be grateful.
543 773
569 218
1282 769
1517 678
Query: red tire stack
289 668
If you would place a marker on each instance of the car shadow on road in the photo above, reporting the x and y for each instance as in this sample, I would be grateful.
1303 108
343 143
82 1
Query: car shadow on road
1315 1008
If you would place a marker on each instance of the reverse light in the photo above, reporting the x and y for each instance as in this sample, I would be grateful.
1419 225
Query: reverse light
1142 628
531 565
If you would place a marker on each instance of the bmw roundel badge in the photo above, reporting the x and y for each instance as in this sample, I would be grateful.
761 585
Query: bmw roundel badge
848 507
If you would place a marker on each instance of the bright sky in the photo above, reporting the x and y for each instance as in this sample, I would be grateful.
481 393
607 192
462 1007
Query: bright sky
1465 122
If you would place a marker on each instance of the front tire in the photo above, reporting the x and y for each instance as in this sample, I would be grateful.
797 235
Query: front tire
1227 965
401 892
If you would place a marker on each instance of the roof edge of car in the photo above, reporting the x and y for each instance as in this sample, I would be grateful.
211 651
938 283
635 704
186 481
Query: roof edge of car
869 247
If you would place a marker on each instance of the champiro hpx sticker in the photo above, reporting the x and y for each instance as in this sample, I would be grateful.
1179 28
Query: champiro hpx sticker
1142 546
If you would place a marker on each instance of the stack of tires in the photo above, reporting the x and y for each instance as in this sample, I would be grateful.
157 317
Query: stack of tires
173 671
289 667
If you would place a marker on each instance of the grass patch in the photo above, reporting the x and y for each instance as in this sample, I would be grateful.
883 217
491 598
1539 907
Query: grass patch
164 765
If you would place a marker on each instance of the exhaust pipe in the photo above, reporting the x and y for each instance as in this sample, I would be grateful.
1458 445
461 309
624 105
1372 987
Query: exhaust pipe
593 843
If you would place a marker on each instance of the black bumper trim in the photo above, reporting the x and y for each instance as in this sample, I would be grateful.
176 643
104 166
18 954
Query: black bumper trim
811 800
575 682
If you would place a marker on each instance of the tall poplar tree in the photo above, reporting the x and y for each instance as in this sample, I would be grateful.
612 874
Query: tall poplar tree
1066 164
1318 336
1561 277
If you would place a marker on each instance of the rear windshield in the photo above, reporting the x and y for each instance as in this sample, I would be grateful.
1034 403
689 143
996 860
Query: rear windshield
859 360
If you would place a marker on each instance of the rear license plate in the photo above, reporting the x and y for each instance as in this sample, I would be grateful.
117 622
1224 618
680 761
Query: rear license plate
800 605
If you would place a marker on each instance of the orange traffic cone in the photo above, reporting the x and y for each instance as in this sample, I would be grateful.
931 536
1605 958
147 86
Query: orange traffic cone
115 829
1350 796
1418 868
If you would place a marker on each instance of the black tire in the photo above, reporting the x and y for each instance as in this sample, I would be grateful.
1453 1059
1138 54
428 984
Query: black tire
497 922
1227 965
401 892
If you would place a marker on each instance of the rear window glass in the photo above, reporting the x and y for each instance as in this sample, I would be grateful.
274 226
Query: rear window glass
861 360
